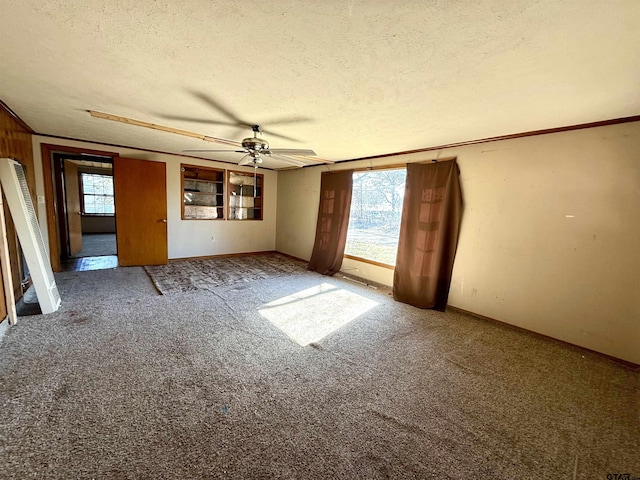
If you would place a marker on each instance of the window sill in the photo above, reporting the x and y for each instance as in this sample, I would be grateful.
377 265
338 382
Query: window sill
370 262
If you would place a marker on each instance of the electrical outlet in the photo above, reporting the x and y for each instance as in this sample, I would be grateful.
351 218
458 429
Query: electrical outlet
213 239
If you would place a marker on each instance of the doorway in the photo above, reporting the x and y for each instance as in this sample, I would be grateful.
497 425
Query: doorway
139 198
84 201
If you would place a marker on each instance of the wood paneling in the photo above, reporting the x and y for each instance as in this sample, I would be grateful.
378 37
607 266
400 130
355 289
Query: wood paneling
15 142
72 195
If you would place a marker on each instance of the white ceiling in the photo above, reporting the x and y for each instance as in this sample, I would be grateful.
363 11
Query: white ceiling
363 77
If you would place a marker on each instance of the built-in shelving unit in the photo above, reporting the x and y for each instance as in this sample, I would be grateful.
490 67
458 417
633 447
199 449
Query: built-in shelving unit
245 196
203 193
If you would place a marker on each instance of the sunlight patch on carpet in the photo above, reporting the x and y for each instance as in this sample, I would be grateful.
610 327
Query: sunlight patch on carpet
310 315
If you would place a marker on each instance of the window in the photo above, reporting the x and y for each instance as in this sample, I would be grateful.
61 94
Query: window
97 194
376 211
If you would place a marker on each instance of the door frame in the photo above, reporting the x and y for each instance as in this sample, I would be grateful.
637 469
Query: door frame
47 150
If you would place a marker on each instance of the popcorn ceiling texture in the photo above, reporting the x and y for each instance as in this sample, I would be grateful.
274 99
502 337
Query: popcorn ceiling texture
370 77
122 382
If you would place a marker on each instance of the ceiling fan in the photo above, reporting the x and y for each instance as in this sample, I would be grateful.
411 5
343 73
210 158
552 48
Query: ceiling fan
254 148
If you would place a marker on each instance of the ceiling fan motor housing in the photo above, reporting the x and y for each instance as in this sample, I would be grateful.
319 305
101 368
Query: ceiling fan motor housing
255 144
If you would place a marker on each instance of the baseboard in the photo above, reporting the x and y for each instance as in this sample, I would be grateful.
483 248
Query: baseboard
222 255
291 256
626 363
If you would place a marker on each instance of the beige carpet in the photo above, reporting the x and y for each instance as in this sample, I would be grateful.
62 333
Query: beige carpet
125 383
211 273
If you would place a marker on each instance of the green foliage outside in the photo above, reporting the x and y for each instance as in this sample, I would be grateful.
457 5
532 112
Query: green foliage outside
379 253
376 209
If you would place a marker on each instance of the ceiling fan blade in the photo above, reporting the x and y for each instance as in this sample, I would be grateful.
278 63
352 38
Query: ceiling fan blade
247 160
293 151
197 120
273 134
220 151
289 160
286 120
314 160
237 121
220 108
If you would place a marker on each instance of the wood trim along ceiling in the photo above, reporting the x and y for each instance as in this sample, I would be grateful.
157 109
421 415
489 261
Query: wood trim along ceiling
401 165
581 126
153 126
18 120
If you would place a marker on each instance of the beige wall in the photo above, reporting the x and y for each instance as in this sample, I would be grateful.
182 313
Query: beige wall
550 237
91 224
187 238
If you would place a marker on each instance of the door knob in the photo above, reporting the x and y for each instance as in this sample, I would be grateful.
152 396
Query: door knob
164 220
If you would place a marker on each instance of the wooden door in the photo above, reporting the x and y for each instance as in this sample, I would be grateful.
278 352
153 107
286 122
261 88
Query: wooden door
140 189
72 196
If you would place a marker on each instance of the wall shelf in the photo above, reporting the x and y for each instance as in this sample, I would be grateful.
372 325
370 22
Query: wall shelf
202 193
245 192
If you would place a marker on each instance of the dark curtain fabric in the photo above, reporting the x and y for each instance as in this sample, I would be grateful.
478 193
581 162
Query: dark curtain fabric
333 222
428 239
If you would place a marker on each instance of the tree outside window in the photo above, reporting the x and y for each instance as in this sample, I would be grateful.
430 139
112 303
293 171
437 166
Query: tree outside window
376 211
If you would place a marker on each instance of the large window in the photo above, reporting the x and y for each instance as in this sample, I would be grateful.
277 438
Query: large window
376 211
97 194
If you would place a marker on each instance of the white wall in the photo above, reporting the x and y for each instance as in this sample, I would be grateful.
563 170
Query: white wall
550 237
187 238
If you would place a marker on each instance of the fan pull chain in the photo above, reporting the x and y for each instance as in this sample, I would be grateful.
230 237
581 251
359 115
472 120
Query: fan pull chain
255 188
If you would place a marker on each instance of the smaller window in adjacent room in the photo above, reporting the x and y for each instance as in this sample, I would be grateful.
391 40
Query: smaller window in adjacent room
97 194
376 211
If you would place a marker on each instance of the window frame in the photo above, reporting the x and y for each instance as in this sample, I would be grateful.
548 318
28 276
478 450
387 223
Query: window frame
83 210
399 166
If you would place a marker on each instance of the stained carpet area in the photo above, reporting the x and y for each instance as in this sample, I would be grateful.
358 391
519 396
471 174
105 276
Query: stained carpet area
122 382
211 273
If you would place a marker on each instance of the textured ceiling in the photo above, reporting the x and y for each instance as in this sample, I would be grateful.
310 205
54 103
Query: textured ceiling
355 78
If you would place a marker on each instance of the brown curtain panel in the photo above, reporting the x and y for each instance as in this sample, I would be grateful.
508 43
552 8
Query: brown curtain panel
333 222
428 239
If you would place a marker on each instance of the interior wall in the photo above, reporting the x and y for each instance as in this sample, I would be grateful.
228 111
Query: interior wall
98 224
550 238
187 238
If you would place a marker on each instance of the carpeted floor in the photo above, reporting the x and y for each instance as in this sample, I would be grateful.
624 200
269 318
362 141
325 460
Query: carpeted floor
122 382
97 244
211 273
